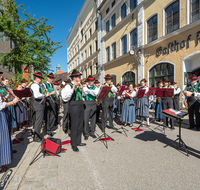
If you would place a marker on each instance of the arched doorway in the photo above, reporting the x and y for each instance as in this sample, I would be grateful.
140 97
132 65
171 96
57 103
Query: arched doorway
128 78
161 71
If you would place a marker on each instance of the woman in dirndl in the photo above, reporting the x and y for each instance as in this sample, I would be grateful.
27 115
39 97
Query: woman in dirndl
21 113
5 137
128 108
158 108
142 109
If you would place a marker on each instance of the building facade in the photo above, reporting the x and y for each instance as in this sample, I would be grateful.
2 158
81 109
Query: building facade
82 41
150 39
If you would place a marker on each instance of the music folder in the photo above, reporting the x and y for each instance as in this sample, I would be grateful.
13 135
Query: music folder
165 92
104 92
23 93
141 93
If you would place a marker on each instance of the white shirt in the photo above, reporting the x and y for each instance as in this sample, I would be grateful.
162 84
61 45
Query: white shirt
178 91
66 93
114 89
2 104
94 92
35 87
198 80
197 95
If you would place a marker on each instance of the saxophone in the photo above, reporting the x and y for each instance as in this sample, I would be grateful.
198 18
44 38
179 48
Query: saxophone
159 100
98 102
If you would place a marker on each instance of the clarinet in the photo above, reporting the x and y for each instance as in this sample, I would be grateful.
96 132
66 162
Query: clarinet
10 92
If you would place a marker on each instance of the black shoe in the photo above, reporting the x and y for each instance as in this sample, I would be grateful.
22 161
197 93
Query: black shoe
75 149
85 138
14 151
37 140
93 136
190 127
173 127
81 144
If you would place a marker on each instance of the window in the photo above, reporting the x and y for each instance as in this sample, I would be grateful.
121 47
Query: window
90 50
152 29
2 37
128 78
107 26
96 45
113 20
107 10
85 54
78 61
85 38
123 11
86 73
195 10
108 54
113 3
172 17
75 64
114 50
133 4
124 45
97 68
91 69
11 44
96 25
133 36
160 72
82 57
90 32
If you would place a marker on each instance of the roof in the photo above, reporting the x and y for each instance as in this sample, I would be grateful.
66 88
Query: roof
59 72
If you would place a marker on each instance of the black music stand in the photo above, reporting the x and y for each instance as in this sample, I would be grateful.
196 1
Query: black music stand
140 94
164 92
171 113
103 94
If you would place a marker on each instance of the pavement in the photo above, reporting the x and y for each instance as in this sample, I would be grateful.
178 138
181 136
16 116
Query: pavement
137 162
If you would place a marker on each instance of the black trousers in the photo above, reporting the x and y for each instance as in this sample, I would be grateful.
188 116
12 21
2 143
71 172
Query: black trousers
66 123
90 108
37 114
167 103
176 103
98 113
107 107
118 102
57 101
50 116
76 112
193 108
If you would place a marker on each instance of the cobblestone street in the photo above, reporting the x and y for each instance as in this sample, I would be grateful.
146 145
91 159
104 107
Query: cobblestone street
138 161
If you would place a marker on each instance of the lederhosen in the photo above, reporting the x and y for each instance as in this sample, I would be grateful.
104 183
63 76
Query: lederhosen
37 112
50 111
176 100
107 107
90 108
76 112
167 103
193 106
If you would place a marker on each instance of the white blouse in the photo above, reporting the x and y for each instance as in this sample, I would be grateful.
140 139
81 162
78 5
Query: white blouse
2 104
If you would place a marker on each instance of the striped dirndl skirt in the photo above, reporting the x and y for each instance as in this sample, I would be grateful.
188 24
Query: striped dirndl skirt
5 140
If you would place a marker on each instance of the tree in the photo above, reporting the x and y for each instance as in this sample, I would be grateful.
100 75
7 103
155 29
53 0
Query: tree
30 37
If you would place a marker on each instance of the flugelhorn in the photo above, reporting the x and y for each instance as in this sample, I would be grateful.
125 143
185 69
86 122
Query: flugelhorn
31 82
11 82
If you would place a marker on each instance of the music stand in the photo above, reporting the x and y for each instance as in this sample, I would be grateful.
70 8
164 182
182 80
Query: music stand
164 92
176 115
152 92
140 94
103 94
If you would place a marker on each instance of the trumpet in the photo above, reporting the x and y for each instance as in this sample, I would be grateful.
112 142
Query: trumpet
31 82
10 92
98 102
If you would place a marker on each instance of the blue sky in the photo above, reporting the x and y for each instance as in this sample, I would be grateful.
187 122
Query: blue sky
60 12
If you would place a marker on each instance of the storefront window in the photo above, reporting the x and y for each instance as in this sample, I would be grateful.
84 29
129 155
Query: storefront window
161 72
128 78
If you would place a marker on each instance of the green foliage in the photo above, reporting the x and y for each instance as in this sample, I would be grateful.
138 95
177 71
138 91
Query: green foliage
32 45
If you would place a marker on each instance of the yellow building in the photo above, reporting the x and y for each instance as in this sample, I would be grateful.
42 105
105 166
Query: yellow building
152 39
82 41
